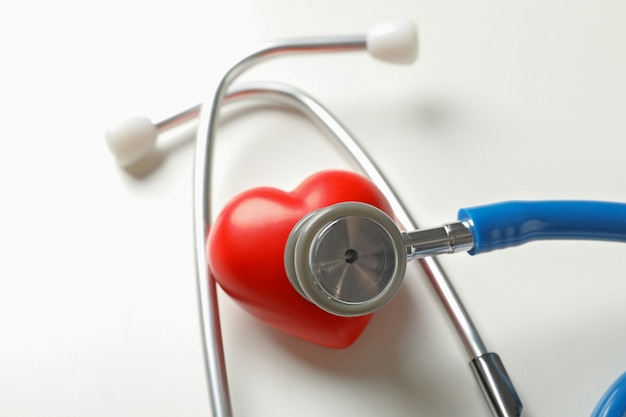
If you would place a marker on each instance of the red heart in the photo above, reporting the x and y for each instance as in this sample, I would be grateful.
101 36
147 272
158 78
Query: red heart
246 245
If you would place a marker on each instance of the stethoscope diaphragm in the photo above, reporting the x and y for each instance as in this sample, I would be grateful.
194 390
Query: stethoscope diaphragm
349 258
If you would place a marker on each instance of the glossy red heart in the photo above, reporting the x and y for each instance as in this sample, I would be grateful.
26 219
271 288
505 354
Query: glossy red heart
246 245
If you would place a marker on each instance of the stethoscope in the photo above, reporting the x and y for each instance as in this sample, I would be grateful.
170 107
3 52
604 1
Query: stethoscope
349 258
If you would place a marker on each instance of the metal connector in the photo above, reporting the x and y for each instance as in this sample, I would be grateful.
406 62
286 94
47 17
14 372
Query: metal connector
496 386
449 238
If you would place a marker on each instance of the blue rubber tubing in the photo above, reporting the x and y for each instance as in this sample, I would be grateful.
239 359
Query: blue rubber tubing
613 403
512 223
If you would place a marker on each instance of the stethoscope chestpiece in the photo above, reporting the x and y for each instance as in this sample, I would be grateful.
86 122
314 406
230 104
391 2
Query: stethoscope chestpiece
348 259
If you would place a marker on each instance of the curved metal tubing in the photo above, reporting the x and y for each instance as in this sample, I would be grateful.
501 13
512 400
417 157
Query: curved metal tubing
497 387
207 291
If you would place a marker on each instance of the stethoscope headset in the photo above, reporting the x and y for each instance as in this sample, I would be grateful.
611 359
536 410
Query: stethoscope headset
348 258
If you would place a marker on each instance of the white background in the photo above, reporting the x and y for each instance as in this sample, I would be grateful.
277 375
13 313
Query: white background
508 100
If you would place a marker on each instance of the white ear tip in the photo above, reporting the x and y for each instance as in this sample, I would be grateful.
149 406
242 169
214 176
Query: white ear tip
394 42
131 140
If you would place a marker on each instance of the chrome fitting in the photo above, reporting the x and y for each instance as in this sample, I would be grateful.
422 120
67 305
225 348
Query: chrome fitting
449 238
496 386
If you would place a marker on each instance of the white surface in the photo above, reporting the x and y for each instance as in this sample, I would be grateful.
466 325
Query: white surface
97 294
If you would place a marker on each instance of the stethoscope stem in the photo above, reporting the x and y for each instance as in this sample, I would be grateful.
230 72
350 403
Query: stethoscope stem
449 238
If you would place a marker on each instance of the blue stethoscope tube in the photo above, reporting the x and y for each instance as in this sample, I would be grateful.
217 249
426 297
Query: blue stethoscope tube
507 224
613 403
